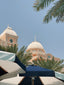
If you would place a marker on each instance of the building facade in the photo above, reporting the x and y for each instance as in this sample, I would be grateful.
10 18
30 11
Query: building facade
8 37
37 51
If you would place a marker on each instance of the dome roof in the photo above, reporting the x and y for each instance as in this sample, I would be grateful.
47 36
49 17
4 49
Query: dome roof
9 30
35 44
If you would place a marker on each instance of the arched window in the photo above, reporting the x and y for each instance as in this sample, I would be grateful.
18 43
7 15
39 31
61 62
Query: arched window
48 56
11 40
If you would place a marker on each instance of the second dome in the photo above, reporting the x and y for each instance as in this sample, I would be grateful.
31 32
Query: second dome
34 44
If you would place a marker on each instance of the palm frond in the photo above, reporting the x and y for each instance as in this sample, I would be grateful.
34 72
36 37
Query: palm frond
40 4
24 57
50 64
57 11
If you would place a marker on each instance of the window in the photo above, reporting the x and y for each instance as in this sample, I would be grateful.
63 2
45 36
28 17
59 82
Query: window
11 40
48 56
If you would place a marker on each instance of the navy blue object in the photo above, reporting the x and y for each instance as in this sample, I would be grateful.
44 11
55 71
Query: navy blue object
32 70
19 63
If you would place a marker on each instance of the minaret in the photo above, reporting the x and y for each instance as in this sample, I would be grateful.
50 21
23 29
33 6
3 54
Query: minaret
9 37
35 38
8 26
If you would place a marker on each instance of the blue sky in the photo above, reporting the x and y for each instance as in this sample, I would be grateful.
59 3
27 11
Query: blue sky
21 16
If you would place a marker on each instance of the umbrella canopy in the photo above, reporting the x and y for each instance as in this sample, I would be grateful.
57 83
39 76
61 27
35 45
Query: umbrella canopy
7 56
20 81
32 70
35 75
51 81
19 63
59 76
27 81
9 69
12 81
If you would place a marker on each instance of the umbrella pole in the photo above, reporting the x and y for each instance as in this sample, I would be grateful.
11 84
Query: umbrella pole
33 80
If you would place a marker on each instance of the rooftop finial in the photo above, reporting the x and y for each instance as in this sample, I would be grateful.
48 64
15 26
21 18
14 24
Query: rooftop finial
35 38
8 25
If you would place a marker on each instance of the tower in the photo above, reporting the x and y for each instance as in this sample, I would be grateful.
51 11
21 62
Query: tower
8 37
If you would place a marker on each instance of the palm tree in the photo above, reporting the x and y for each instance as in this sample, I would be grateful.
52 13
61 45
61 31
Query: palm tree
50 64
57 11
23 56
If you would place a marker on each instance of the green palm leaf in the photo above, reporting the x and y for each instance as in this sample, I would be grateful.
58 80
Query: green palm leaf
57 11
23 56
50 64
40 4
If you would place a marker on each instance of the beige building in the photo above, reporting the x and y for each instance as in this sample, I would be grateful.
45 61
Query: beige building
37 51
8 37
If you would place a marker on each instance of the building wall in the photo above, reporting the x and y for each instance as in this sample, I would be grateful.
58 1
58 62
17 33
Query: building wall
3 43
37 53
50 56
0 41
14 38
5 40
3 37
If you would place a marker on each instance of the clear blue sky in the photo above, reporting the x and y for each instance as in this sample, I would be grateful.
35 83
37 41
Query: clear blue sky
27 23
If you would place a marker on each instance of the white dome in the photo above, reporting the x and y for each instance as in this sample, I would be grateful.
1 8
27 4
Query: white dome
9 30
35 44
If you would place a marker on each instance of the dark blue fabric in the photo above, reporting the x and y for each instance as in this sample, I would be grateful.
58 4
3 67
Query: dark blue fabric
19 63
38 71
28 81
36 68
33 70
